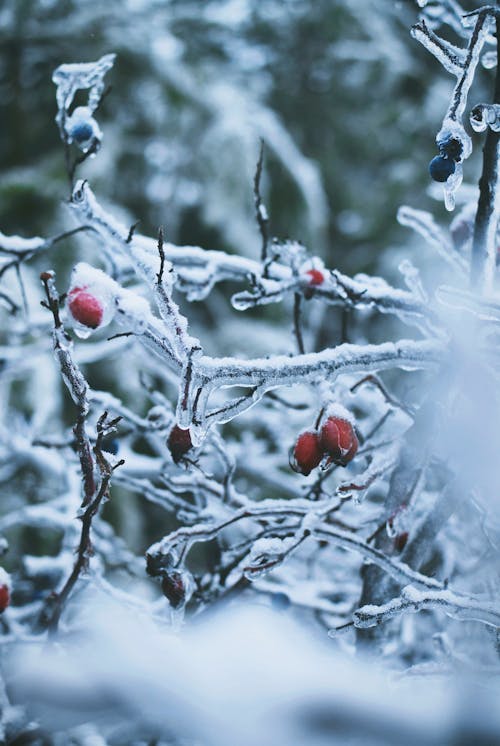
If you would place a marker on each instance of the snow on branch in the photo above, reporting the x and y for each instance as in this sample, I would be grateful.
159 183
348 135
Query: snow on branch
199 270
456 605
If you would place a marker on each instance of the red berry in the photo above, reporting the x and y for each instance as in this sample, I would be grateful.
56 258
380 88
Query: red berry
4 597
85 307
306 454
179 442
315 277
173 588
339 440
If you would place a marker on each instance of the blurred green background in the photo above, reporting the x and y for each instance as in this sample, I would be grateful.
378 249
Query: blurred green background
347 103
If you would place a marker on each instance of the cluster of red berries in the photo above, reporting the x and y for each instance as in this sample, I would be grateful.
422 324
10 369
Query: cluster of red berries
336 442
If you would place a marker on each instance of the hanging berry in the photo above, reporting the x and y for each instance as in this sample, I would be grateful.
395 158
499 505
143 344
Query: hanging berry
306 454
91 299
179 443
338 439
82 129
441 168
85 308
174 589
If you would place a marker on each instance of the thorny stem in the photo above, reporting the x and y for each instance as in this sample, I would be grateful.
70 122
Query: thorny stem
484 247
78 389
84 550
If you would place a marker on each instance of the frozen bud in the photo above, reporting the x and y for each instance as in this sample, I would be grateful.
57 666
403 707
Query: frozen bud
306 453
82 129
339 440
179 443
175 586
91 299
5 586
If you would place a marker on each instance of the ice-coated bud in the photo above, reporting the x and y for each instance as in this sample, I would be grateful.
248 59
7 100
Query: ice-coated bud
179 443
339 440
307 453
441 168
82 128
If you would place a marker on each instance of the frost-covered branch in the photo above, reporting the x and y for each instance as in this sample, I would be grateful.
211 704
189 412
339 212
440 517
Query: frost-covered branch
412 600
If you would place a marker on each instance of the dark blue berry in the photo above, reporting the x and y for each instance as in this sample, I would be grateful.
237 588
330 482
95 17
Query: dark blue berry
82 132
441 168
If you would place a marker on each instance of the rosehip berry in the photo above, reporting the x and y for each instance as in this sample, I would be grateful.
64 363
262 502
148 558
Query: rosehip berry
174 588
4 597
179 442
307 453
441 168
85 307
4 590
339 440
316 277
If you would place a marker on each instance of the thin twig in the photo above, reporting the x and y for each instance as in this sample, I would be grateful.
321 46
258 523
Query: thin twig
297 308
161 252
260 208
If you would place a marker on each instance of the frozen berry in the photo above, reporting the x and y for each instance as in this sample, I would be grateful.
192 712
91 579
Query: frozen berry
179 442
4 597
85 307
174 588
316 277
306 453
4 589
441 168
82 131
339 440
